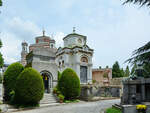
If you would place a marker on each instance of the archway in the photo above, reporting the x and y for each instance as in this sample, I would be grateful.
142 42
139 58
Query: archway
47 80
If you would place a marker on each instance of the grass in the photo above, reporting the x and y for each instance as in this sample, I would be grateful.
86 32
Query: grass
71 101
113 110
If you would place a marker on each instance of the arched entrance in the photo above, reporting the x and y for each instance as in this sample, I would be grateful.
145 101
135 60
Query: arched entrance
47 79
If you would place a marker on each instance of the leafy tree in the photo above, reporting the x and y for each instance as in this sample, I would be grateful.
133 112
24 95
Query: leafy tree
0 2
116 70
140 2
127 71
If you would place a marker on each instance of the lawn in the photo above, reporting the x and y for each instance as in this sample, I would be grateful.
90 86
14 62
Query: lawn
113 110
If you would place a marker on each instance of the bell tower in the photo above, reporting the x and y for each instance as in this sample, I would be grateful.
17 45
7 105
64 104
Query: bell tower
24 53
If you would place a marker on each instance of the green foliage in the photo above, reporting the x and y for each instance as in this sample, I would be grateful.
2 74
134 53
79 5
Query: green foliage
139 2
1 61
146 68
133 68
10 77
55 89
127 72
141 55
71 101
116 70
1 78
1 56
105 75
28 65
0 2
69 84
0 40
30 87
59 75
61 97
113 110
93 81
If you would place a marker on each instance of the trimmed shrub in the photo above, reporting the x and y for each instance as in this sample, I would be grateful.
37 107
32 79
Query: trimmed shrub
59 75
10 77
30 87
69 84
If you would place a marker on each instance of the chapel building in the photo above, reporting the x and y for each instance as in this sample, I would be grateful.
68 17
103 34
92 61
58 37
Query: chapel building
76 54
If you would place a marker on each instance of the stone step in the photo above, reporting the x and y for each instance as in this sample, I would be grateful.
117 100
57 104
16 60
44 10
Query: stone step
48 99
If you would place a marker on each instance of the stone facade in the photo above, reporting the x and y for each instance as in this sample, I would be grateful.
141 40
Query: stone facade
88 92
41 57
136 91
102 76
48 60
77 55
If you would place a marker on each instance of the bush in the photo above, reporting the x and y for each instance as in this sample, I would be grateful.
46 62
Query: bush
59 75
10 77
30 87
61 97
69 84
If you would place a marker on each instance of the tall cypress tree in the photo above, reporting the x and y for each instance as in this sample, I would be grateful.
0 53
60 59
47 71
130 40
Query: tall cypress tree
1 57
116 72
127 71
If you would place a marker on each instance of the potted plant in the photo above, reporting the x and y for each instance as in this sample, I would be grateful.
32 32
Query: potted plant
61 98
141 108
55 90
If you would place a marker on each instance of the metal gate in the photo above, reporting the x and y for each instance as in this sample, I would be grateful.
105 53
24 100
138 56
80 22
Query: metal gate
83 74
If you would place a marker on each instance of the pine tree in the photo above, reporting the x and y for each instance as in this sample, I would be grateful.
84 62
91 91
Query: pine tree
116 72
1 57
127 72
133 68
139 2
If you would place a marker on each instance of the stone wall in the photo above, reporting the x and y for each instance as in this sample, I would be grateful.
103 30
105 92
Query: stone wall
90 91
132 109
116 81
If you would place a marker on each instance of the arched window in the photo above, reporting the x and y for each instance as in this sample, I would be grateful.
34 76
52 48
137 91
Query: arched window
84 59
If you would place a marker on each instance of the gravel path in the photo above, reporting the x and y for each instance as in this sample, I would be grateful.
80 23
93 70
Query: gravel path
81 107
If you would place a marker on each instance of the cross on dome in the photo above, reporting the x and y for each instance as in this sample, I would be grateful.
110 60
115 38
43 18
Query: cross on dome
43 32
74 29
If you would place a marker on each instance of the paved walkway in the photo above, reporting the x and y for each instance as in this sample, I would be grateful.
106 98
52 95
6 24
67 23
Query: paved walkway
81 107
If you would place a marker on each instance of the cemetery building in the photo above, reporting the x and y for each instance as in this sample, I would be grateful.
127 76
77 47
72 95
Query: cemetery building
48 60
41 56
76 54
102 76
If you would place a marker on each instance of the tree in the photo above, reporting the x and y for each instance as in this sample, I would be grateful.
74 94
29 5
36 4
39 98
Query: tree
127 72
10 77
141 55
140 2
1 3
69 84
122 72
29 88
1 57
133 68
116 72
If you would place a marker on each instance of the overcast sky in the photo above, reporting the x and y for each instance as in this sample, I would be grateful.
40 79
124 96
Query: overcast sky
113 30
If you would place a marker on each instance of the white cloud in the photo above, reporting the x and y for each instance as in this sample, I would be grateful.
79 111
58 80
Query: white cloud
59 39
